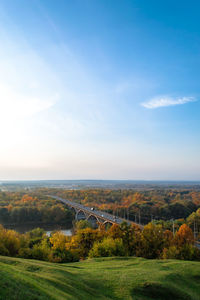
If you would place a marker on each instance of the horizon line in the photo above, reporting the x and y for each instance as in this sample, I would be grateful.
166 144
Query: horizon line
147 180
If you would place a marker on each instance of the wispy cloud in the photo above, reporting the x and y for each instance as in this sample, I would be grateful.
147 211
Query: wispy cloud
166 101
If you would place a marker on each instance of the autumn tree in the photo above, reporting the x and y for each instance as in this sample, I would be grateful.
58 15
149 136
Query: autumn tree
152 241
58 241
184 236
85 239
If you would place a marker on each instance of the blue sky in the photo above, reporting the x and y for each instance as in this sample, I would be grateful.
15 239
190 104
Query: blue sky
95 89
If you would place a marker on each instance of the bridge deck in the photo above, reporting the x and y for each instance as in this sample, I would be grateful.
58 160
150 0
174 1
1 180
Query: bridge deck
93 212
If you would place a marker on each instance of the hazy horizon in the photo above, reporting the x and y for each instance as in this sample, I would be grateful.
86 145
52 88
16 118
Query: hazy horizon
102 180
99 89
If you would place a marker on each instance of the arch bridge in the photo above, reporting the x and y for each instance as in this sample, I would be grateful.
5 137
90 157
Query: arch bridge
94 216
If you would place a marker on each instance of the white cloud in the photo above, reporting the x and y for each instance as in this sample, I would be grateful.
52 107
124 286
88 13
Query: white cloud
166 101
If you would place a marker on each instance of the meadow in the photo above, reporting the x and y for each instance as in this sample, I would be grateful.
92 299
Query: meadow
100 278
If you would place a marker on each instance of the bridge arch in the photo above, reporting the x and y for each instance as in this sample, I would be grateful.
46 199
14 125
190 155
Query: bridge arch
107 224
93 220
80 215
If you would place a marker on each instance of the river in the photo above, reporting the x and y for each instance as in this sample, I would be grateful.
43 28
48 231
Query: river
67 230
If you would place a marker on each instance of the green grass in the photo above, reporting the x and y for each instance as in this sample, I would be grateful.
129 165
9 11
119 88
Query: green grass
106 278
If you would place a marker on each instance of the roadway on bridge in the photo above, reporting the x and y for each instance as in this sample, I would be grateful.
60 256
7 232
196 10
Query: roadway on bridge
97 213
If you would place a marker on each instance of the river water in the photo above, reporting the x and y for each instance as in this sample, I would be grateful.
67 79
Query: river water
48 228
67 232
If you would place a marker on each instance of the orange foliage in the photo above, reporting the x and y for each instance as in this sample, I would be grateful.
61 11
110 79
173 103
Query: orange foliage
168 238
27 199
184 235
9 207
115 231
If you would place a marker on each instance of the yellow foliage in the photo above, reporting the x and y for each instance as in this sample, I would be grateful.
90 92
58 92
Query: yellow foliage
58 240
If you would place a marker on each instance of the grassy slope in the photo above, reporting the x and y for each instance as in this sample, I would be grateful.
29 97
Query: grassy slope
109 278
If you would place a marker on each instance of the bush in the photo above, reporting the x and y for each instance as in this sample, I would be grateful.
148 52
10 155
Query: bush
82 224
171 252
3 250
107 247
41 251
58 256
186 252
25 253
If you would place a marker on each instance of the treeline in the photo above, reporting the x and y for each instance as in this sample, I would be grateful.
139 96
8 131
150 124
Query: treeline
124 240
17 208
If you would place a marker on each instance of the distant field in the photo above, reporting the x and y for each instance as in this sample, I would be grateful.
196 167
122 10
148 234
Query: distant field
102 184
108 278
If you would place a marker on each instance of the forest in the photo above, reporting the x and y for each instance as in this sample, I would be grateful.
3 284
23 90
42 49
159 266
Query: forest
160 238
124 240
20 208
160 206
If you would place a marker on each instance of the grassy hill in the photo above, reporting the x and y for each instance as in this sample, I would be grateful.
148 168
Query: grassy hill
106 278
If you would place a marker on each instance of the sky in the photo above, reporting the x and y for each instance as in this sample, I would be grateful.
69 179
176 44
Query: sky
99 89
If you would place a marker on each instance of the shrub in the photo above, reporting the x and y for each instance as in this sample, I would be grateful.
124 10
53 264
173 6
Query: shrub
171 252
58 256
107 247
41 251
82 224
3 250
186 252
25 253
